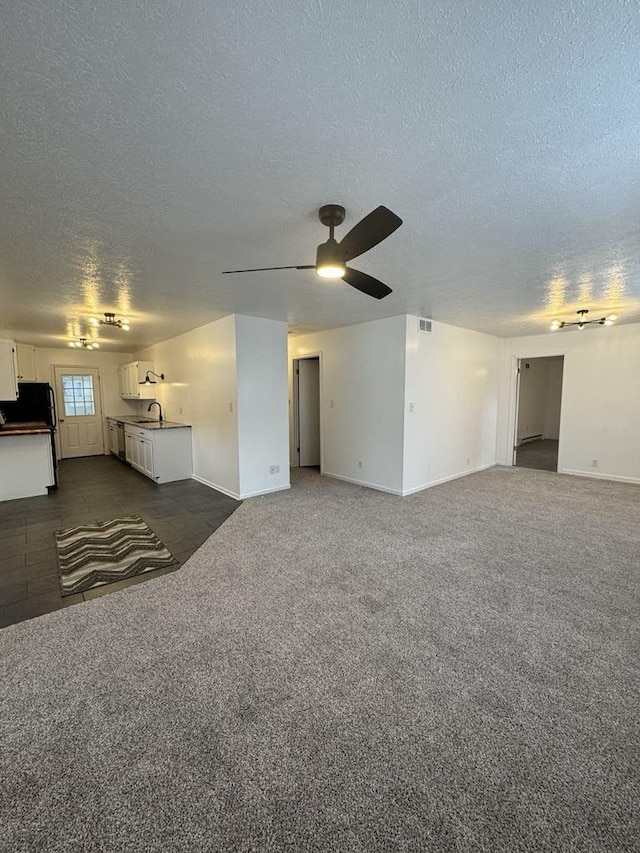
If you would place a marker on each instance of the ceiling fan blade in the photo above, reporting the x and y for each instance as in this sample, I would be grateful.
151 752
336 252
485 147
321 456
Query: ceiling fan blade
366 283
373 229
264 269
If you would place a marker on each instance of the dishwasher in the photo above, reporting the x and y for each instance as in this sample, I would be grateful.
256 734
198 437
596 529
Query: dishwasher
116 438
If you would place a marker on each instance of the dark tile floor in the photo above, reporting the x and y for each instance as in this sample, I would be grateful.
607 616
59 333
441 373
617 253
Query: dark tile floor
95 488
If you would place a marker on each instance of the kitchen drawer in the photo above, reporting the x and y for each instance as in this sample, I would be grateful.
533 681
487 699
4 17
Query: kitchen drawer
138 432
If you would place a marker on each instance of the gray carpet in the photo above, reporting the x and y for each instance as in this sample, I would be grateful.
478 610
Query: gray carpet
541 455
341 670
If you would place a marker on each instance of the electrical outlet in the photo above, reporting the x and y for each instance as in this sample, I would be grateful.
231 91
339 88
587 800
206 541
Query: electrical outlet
468 460
411 407
594 463
231 407
274 469
331 404
360 463
180 409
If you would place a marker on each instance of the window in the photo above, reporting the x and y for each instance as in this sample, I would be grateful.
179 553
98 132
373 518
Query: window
78 395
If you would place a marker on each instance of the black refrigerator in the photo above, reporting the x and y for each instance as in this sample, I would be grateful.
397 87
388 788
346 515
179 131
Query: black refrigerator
36 402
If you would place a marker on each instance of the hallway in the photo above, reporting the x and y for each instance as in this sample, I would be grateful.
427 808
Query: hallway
541 455
98 488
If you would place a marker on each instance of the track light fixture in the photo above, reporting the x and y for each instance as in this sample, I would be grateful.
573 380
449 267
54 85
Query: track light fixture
83 343
110 320
149 381
582 322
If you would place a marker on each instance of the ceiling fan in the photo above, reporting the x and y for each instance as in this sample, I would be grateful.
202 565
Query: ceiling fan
331 257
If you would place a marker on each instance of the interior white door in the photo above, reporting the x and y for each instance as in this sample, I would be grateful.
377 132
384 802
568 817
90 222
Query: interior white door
80 411
309 411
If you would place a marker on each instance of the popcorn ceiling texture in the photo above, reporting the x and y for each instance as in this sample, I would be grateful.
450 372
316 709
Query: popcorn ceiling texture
147 146
338 669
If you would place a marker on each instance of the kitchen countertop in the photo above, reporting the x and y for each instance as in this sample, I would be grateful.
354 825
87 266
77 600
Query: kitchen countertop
25 428
138 422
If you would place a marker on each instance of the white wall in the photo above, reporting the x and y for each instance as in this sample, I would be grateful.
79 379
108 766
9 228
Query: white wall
228 380
452 385
200 389
261 353
107 363
600 417
362 400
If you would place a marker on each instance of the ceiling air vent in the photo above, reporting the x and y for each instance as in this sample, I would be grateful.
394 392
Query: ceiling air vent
424 325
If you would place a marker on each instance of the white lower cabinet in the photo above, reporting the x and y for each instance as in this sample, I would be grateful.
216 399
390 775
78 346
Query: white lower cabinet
146 458
163 455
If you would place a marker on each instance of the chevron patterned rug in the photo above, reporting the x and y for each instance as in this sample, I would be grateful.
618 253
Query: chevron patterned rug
96 554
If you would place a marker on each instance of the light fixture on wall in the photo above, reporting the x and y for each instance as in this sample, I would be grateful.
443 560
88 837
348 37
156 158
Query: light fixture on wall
582 322
149 381
83 343
110 320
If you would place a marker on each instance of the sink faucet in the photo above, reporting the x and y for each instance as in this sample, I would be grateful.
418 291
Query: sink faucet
156 403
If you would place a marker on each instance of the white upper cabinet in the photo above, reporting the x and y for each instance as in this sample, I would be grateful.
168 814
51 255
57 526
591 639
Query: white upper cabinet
8 372
131 375
26 363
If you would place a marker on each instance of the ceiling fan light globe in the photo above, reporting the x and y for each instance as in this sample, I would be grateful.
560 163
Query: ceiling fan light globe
93 321
331 271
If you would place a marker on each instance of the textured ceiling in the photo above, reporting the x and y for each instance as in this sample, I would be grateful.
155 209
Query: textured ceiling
146 146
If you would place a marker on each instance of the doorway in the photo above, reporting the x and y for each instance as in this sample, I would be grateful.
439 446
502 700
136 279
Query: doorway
306 412
538 407
80 411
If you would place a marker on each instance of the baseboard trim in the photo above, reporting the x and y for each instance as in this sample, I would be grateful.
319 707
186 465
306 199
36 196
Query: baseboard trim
448 479
215 486
529 438
412 491
365 483
238 496
244 496
599 476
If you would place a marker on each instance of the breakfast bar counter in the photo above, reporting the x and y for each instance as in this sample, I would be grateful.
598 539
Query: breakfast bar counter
30 428
26 460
